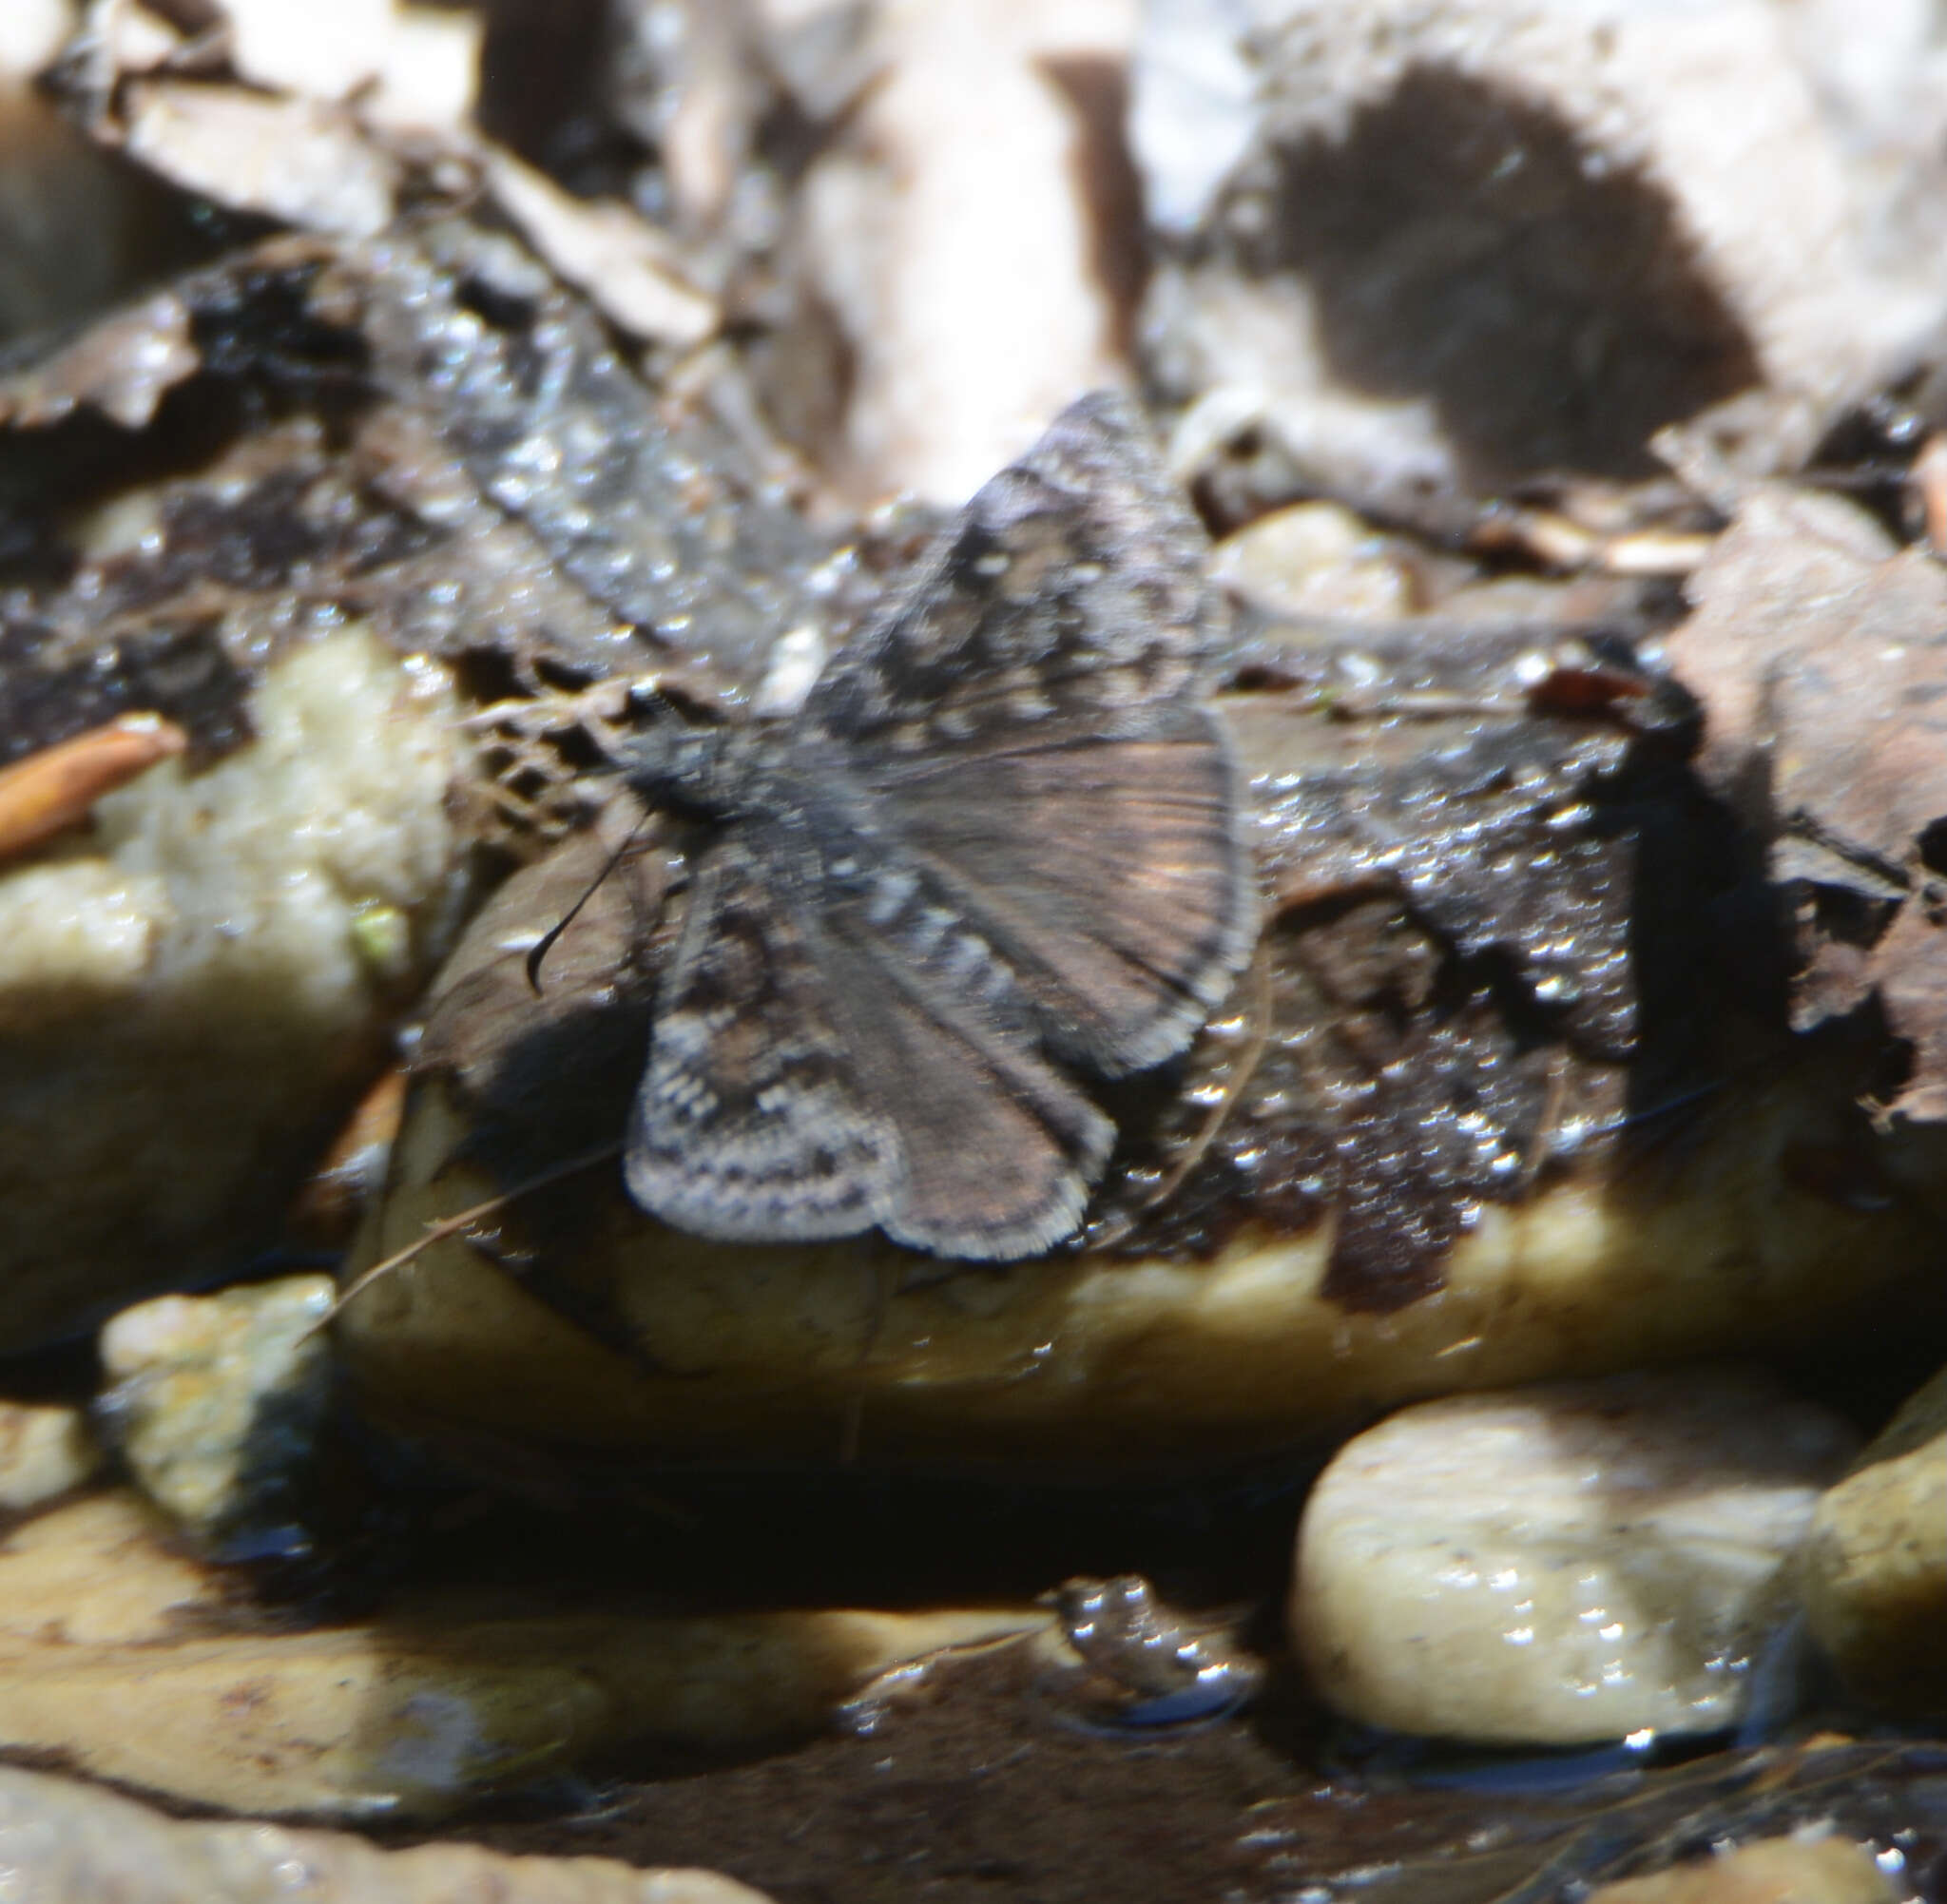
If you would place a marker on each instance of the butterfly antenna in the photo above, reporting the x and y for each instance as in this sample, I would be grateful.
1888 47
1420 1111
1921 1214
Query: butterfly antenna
454 1225
545 944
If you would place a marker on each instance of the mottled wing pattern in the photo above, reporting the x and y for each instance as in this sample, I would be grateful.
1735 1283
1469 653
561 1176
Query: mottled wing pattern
1000 1149
1001 828
752 1123
1114 874
1028 717
1071 586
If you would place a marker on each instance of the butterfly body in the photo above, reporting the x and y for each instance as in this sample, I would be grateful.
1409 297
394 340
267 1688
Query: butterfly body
998 843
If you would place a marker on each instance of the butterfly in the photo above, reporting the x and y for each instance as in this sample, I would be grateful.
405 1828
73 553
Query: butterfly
996 851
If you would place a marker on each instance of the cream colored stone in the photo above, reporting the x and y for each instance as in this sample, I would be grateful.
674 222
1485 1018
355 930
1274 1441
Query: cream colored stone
200 1386
949 231
84 932
114 1654
71 1843
1093 1364
1875 1567
1316 559
44 1451
184 988
1561 1563
1799 1870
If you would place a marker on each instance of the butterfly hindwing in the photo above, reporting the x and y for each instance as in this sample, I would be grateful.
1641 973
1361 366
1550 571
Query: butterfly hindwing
752 1123
1113 876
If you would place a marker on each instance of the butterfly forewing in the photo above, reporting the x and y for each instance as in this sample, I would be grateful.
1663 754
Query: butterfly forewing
752 1123
1112 874
1070 587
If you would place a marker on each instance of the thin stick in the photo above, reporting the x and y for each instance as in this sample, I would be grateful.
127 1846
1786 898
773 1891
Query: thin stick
442 1227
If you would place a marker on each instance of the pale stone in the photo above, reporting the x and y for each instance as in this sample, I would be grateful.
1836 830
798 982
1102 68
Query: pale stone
1875 1567
44 1451
84 932
1562 1564
118 1654
1798 1870
185 987
214 1398
1315 559
66 1842
1096 1364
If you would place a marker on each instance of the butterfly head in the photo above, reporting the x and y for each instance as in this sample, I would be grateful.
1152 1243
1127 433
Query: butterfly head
701 771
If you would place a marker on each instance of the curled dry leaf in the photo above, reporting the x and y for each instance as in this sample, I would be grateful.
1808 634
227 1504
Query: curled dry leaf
1820 653
123 366
48 792
621 261
293 160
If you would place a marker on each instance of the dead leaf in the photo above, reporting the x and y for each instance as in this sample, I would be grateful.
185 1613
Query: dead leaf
602 248
51 791
293 159
122 366
1820 653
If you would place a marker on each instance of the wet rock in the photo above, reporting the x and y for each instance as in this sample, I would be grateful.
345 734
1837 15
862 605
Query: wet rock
134 1664
185 991
1410 255
1315 558
1147 1664
973 234
1562 1564
588 1325
70 1841
1813 1869
45 1451
215 1403
1876 1564
1505 1097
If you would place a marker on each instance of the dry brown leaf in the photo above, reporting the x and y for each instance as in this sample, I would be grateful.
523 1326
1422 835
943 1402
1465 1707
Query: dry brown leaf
122 366
293 160
1820 653
604 248
48 792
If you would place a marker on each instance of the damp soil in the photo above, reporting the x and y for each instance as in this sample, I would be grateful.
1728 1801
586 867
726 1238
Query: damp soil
980 1784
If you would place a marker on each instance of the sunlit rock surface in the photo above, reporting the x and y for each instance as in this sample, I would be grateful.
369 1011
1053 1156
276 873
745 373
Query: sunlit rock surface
1561 1563
1813 1869
187 991
133 1664
67 1841
1091 1362
44 1451
1876 1564
215 1403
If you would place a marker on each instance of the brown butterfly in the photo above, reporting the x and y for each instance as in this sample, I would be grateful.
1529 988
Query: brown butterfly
997 847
